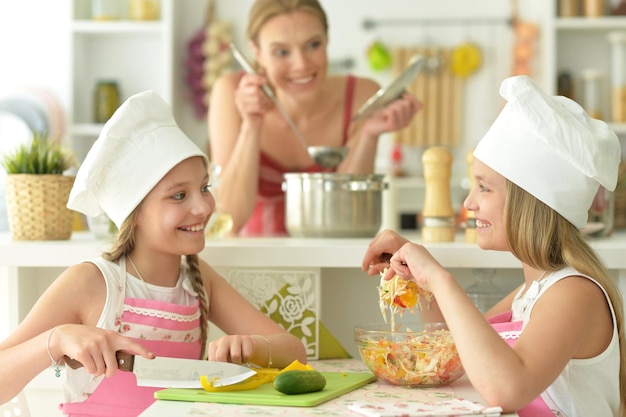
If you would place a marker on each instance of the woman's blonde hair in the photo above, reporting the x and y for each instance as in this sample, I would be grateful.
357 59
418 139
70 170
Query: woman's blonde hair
125 244
263 10
540 237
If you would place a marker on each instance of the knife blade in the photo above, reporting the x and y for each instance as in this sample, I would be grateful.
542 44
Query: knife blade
164 372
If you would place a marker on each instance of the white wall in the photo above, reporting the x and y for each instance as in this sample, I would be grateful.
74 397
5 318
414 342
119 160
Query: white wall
34 44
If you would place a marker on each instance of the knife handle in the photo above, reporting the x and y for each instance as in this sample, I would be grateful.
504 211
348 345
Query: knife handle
125 361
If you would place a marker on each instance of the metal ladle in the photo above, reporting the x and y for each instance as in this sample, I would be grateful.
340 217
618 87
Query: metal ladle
324 156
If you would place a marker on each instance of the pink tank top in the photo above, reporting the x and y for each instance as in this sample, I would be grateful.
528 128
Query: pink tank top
268 217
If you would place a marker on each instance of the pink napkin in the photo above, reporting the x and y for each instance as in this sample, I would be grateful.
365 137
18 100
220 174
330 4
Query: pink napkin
451 407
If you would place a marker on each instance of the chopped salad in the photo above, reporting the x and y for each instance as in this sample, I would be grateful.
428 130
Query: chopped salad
416 359
409 358
397 295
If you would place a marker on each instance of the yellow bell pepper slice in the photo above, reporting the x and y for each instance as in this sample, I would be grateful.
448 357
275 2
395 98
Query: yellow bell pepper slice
254 381
263 376
297 366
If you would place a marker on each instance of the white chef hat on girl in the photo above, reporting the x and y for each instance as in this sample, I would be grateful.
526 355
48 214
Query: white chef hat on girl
137 147
551 148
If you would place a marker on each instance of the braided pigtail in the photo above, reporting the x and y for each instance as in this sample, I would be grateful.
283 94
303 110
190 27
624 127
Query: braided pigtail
198 286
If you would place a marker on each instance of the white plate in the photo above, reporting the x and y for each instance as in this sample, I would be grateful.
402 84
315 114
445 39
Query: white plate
13 132
43 99
33 115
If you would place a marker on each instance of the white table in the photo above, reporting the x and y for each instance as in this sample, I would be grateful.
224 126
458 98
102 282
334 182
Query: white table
335 407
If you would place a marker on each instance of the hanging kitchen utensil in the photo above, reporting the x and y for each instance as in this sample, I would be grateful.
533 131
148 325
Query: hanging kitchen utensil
466 59
393 91
324 156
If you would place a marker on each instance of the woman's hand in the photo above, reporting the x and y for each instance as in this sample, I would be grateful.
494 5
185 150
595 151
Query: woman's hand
93 347
379 251
237 349
395 116
250 99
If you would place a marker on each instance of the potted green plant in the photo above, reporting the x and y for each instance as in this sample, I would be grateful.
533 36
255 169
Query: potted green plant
37 190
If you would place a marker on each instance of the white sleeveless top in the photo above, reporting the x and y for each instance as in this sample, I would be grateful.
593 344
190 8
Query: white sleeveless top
585 387
79 384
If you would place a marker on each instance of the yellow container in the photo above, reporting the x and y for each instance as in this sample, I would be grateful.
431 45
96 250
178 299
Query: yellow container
144 9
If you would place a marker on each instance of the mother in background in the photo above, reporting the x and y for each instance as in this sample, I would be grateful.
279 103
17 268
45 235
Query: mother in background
254 145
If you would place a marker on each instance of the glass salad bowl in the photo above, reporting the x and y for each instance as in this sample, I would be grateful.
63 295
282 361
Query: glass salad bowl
413 355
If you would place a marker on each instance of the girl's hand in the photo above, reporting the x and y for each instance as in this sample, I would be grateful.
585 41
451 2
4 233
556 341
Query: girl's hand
250 99
93 347
379 251
414 262
237 349
395 116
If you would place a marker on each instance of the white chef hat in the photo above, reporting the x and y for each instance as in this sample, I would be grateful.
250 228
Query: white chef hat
137 147
551 148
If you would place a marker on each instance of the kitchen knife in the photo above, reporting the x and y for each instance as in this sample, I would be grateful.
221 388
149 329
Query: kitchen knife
166 372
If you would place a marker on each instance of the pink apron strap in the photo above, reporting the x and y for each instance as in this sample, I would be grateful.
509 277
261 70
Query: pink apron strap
543 405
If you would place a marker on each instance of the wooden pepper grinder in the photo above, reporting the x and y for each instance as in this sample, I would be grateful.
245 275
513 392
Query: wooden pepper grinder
438 215
470 221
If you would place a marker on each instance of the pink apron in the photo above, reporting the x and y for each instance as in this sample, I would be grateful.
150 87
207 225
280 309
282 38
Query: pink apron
542 406
120 396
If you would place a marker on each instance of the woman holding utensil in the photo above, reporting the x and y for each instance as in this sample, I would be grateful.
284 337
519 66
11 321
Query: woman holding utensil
149 294
254 143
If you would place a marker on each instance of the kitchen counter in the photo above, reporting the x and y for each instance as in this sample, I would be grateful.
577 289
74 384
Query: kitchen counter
377 392
284 252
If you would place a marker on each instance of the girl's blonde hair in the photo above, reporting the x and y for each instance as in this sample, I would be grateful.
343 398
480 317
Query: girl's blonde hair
263 10
540 237
125 244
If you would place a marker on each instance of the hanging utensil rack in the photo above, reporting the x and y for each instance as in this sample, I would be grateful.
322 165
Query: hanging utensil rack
369 23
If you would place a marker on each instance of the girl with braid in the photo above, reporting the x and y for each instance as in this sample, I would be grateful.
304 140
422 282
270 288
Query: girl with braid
149 294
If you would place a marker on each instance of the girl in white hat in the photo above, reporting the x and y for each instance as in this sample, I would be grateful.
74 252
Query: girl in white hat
150 294
554 346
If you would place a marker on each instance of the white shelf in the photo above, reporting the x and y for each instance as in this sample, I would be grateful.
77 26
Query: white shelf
619 128
86 129
579 43
137 55
116 27
591 24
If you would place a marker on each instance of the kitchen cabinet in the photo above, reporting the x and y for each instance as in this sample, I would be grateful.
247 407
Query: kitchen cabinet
578 43
136 54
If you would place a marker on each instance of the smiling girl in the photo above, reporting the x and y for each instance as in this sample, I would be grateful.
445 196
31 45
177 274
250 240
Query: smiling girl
149 294
555 346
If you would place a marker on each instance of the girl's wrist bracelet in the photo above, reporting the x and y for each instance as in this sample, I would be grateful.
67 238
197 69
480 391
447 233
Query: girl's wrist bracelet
55 365
269 349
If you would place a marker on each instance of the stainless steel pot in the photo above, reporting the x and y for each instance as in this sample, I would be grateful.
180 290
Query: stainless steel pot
333 205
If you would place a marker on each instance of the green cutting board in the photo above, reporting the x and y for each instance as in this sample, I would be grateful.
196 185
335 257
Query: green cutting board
337 383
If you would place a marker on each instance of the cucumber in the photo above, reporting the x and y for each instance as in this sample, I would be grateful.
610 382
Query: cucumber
299 382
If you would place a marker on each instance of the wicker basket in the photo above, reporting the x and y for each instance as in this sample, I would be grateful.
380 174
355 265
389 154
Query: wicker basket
36 206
